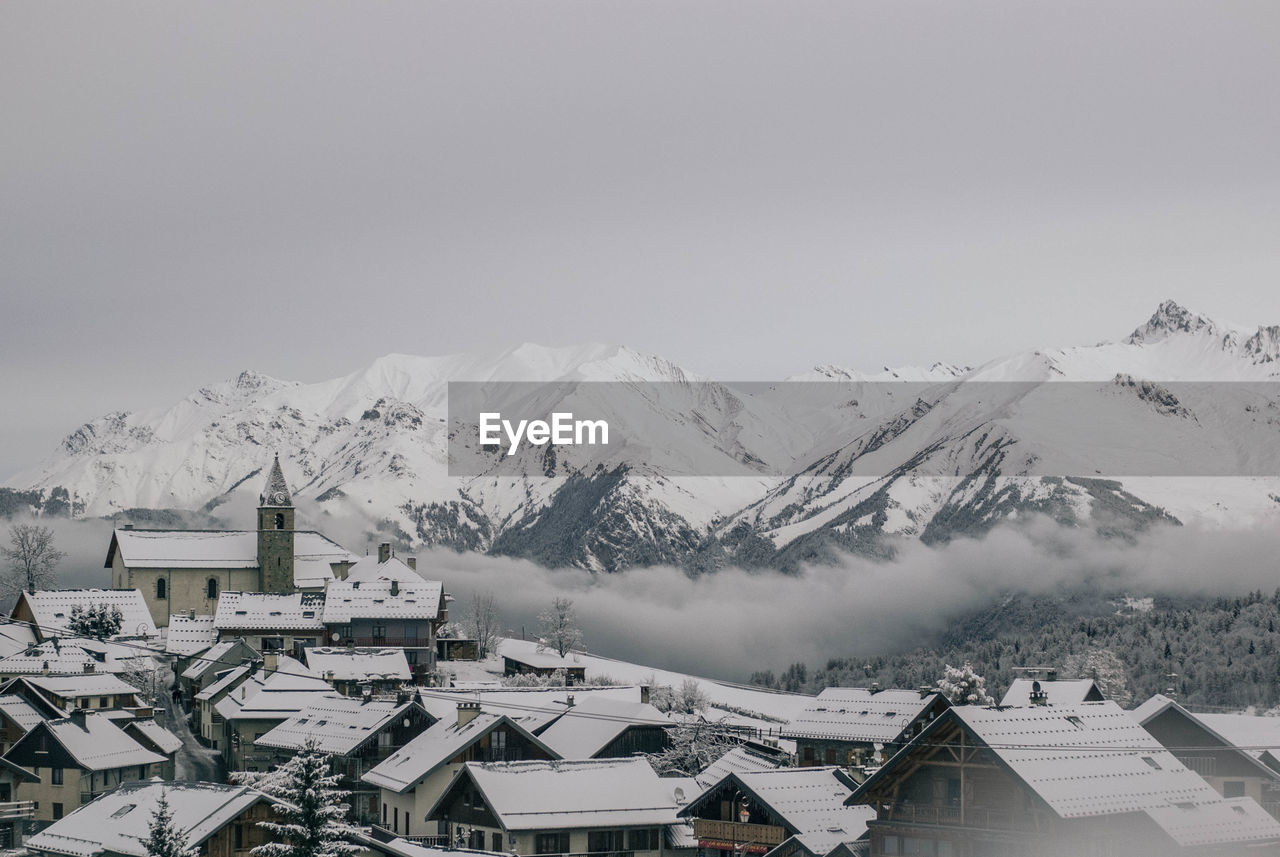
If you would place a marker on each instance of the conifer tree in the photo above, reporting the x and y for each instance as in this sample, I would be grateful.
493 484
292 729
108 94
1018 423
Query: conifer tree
313 810
164 838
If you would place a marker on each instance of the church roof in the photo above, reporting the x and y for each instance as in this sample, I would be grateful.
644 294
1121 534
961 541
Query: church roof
217 549
276 492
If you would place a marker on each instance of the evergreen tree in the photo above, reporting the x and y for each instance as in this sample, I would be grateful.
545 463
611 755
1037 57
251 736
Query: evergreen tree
164 838
963 686
313 810
98 622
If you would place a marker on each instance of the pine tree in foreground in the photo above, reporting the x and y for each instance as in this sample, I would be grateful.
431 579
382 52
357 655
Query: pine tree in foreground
313 811
164 838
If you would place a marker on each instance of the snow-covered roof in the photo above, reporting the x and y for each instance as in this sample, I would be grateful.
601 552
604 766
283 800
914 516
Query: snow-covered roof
282 694
15 637
435 746
225 679
212 661
808 801
545 660
97 744
275 492
381 599
590 725
368 569
20 711
156 734
569 795
533 707
73 656
1159 704
341 724
189 635
357 664
241 691
52 609
1238 819
71 686
1057 692
400 847
118 822
313 553
739 760
1256 735
270 611
859 714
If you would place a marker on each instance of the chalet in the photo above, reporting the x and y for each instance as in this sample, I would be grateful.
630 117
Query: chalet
356 670
599 727
179 571
77 759
756 812
15 637
49 610
847 726
385 565
1049 780
97 692
412 779
261 703
1257 736
210 728
14 814
359 734
388 612
601 806
1232 771
218 821
151 735
739 760
544 664
207 665
1051 691
270 621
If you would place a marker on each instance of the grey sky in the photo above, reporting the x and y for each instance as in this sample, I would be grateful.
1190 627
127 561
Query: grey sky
747 188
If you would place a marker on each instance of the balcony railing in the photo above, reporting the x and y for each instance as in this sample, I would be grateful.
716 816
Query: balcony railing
391 642
1205 766
382 834
737 834
951 816
17 809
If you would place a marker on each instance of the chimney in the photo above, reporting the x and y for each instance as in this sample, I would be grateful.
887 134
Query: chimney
128 526
402 697
78 717
191 614
1051 675
412 562
1038 696
875 687
569 701
270 662
88 666
384 552
925 690
467 711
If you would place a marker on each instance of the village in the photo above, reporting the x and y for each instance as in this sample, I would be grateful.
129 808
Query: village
269 693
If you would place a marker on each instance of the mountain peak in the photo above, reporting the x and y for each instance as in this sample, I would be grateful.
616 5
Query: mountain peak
1170 318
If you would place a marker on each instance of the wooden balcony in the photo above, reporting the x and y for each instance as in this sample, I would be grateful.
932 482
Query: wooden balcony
758 837
11 810
945 815
391 642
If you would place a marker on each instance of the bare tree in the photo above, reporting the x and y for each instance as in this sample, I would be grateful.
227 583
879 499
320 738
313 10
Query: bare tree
558 627
32 558
482 623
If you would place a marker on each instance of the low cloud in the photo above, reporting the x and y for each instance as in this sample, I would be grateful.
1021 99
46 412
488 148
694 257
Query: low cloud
735 621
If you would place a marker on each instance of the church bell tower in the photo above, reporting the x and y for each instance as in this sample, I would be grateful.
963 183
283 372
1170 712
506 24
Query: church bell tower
275 534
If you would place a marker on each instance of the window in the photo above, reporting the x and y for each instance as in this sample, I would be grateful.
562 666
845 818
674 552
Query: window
104 702
551 843
604 840
55 776
273 644
384 815
162 589
1233 788
395 820
57 811
411 656
279 520
645 839
378 632
808 754
211 588
142 772
497 841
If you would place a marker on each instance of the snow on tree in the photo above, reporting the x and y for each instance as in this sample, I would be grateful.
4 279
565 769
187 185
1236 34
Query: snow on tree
689 698
164 838
482 623
1107 671
313 809
557 678
558 628
962 686
98 621
691 748
32 558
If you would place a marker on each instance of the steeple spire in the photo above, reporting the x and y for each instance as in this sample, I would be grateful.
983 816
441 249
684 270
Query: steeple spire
276 491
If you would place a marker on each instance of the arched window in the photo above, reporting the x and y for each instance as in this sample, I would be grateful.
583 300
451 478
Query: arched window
211 588
162 589
279 520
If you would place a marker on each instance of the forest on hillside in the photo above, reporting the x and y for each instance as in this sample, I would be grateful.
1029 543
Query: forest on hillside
1213 654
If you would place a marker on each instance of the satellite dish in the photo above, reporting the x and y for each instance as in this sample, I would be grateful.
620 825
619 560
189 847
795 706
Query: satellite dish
679 795
335 636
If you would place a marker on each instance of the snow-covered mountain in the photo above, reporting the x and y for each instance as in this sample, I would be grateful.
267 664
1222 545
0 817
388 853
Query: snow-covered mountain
941 451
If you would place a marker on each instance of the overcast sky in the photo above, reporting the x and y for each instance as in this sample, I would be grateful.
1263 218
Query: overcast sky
747 188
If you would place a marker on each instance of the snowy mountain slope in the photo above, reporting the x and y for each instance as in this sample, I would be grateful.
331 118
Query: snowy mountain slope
923 453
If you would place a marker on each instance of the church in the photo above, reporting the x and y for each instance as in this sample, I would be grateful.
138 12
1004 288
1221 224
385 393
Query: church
181 571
